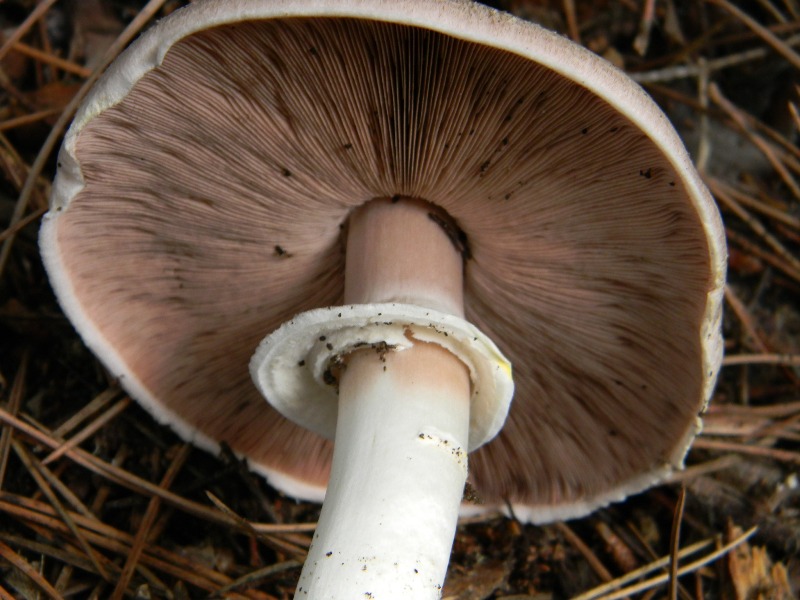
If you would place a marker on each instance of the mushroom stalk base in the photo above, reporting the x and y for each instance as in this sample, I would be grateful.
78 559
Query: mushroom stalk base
398 474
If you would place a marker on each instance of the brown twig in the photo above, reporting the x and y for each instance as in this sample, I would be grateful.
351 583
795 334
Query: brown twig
97 404
24 120
117 475
278 528
22 565
789 263
784 428
23 28
50 59
572 21
141 19
738 117
787 360
597 594
131 481
104 536
794 112
17 171
22 224
635 574
14 402
777 454
777 214
706 468
778 411
259 575
620 551
674 545
92 428
147 521
591 558
772 9
788 146
642 41
63 490
277 544
685 71
47 47
748 246
34 469
704 144
752 333
765 34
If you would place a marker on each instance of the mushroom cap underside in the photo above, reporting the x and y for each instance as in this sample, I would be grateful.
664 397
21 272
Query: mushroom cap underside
209 207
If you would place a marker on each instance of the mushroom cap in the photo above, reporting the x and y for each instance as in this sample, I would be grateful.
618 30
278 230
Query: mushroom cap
203 184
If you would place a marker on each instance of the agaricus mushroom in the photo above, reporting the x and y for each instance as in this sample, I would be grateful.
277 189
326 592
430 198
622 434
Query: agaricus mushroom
389 189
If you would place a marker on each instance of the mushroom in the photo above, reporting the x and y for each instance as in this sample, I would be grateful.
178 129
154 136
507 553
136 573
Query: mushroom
418 387
406 197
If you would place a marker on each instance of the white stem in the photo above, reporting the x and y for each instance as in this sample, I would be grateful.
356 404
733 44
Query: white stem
401 252
397 479
400 453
